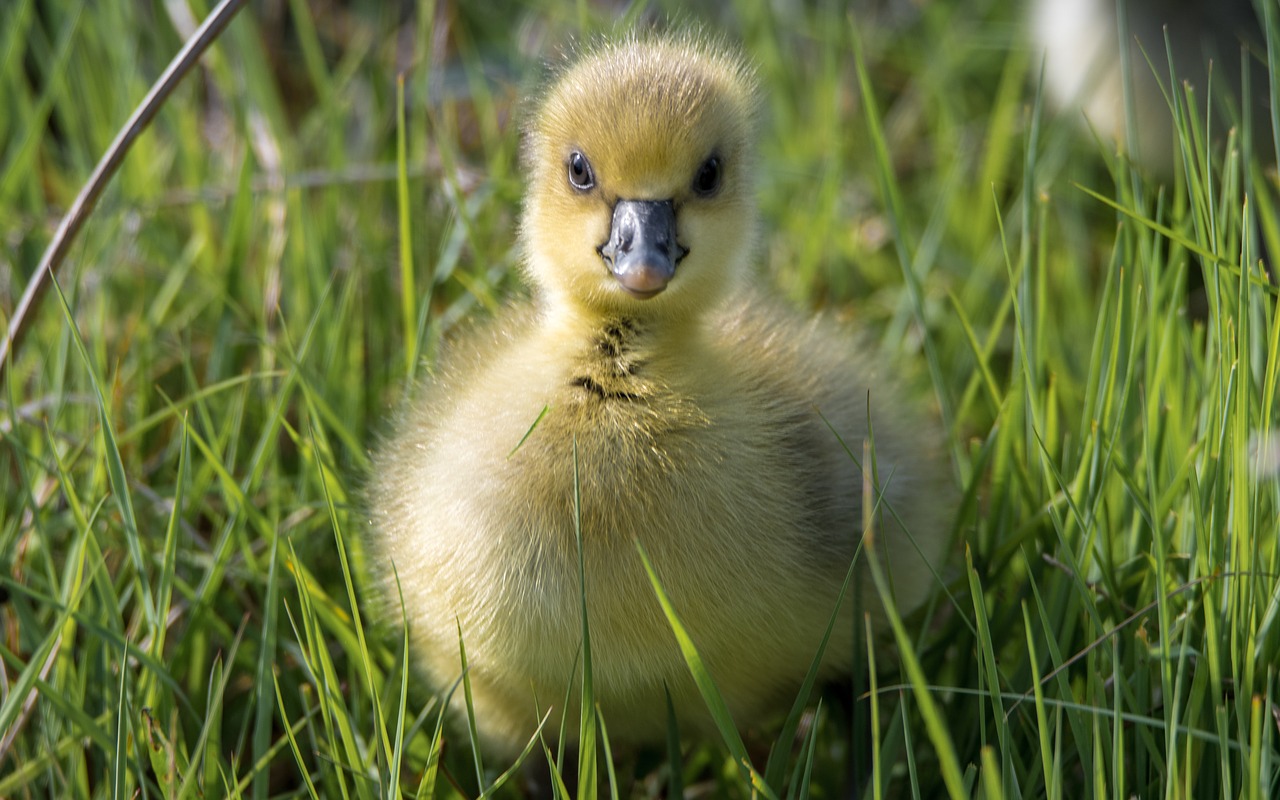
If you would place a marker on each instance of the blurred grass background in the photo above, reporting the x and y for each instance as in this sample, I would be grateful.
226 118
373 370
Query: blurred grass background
180 470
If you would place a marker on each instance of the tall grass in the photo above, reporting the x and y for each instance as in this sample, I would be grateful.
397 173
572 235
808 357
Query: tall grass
184 432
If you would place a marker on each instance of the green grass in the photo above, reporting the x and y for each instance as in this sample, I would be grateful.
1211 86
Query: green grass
180 469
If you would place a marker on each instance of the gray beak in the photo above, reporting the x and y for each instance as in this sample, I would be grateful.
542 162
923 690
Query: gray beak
642 251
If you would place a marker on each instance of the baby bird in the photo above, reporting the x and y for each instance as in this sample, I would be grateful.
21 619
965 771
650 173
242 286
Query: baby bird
702 419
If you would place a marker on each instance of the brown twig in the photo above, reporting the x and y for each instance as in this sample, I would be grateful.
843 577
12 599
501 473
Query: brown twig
84 203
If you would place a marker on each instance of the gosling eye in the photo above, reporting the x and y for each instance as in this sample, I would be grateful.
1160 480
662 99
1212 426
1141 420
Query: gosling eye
580 174
706 181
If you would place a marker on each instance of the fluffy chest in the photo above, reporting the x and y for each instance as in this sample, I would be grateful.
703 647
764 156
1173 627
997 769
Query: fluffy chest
638 426
667 440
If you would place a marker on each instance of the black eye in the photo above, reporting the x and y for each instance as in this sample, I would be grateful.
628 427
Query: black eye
707 180
580 174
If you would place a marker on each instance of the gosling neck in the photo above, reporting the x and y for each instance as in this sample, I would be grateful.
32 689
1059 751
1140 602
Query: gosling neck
633 323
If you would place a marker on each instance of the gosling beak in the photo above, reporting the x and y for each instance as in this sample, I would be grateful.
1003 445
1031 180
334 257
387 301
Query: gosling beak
642 251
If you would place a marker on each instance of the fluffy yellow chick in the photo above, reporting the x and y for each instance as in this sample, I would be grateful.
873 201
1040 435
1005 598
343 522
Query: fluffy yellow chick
695 406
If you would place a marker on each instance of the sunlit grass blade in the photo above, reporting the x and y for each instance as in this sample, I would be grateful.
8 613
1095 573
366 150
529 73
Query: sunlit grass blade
265 705
291 735
408 294
706 684
775 769
877 783
472 729
587 787
115 469
933 720
987 649
514 770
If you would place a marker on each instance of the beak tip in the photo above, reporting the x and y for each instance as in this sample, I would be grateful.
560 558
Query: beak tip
643 277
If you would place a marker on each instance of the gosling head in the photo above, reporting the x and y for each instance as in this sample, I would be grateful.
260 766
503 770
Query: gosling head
640 164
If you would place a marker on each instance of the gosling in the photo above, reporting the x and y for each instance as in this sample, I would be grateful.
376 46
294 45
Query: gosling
702 419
